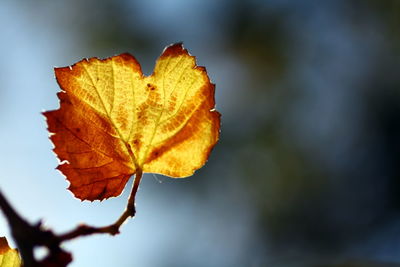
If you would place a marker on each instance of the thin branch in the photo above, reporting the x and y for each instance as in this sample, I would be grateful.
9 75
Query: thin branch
28 236
17 224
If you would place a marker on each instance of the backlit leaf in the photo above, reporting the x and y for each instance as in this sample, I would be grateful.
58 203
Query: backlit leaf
8 257
113 120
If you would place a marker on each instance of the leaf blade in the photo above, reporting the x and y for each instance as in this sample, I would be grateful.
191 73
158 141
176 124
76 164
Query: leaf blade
113 120
8 257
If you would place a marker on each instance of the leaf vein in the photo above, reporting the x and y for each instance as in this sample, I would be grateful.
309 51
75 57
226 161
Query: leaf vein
181 104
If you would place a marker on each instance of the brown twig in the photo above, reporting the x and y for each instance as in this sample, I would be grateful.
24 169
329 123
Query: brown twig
19 226
28 236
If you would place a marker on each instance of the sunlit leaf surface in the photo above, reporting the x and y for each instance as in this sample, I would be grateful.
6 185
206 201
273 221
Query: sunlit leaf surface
114 120
8 257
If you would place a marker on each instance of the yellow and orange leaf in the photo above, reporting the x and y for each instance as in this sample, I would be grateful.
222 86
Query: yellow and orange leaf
114 121
8 257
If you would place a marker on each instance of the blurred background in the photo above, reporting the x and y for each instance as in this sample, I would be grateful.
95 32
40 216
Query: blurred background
307 170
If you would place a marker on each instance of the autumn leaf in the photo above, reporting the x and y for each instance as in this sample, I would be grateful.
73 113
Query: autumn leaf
8 257
113 121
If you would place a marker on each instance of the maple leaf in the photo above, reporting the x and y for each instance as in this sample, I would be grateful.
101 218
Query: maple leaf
8 257
113 121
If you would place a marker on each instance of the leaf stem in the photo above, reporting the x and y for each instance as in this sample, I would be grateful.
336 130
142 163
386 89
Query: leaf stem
112 229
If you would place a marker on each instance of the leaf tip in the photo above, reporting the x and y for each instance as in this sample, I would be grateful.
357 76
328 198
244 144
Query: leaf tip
3 245
126 56
174 49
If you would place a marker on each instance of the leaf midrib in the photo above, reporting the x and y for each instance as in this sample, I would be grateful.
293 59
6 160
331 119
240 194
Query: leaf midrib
134 160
